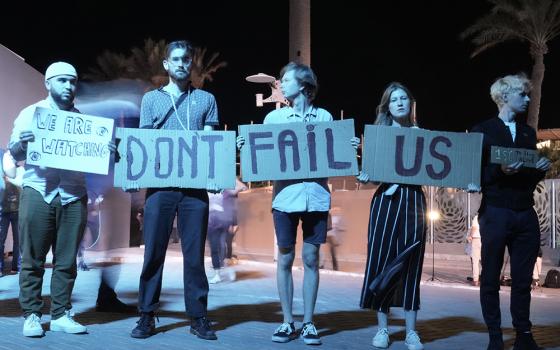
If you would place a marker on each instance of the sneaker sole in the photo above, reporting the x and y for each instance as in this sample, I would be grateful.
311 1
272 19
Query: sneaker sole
277 339
205 337
61 329
312 341
380 346
34 334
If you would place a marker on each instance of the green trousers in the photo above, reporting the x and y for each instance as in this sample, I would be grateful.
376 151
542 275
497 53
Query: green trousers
42 226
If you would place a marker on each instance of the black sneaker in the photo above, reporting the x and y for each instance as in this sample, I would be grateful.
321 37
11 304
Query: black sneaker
285 333
496 342
309 334
146 326
200 327
525 341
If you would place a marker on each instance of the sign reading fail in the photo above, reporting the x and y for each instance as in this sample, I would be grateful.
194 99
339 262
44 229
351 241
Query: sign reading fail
175 158
298 150
422 157
503 155
70 141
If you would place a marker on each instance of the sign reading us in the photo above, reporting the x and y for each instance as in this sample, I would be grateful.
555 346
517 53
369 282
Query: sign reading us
297 150
421 157
175 158
70 141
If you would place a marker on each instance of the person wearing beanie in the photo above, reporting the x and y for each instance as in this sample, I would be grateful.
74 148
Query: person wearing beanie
53 213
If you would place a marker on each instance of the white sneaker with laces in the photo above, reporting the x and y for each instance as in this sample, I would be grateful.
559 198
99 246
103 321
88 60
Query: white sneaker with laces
381 339
413 342
32 326
67 324
309 334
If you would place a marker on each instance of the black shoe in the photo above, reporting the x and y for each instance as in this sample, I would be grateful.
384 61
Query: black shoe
200 327
525 341
496 342
146 326
113 305
284 333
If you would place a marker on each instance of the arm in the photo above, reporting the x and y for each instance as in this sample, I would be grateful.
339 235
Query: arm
9 165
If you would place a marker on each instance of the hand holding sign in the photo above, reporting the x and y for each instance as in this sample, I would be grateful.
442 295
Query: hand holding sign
363 177
543 164
240 141
513 168
355 142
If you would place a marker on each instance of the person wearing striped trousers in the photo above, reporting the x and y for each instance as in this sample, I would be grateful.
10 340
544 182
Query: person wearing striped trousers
397 220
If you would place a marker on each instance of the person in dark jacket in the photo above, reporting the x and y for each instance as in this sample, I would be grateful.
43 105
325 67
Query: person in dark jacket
506 215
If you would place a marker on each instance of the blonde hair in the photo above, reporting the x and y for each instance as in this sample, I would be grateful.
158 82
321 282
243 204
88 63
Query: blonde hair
507 85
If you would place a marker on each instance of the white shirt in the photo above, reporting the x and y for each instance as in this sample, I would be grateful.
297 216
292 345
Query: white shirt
303 194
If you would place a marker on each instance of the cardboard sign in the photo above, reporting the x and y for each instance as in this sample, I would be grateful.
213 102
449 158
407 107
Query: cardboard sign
297 150
70 141
504 155
175 158
421 157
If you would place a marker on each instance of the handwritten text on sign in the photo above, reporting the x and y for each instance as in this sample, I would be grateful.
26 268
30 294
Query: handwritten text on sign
297 150
175 158
71 141
421 157
503 155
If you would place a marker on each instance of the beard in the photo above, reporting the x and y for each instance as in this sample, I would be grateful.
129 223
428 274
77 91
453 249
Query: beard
181 76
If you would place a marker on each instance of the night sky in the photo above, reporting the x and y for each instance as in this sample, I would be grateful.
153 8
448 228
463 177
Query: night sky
358 47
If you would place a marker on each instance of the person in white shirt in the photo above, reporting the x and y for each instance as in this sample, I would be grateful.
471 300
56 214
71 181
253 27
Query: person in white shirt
473 238
305 200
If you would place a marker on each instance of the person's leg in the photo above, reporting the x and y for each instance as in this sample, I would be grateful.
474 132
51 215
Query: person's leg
476 246
4 224
16 249
310 255
192 226
523 249
493 230
159 212
285 282
37 226
214 240
70 221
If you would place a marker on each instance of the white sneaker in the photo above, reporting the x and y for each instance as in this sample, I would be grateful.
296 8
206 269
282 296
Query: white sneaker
231 274
67 324
32 326
216 278
381 339
412 341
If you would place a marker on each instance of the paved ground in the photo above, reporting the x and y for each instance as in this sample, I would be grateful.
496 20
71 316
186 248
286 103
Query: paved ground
247 311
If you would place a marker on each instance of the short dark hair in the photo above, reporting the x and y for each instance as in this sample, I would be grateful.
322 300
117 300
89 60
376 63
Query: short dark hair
179 44
305 77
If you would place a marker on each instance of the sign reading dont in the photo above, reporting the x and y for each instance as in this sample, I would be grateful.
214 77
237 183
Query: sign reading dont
175 158
421 157
297 150
70 141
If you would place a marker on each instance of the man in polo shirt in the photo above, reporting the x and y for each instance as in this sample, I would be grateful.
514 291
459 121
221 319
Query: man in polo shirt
53 212
176 106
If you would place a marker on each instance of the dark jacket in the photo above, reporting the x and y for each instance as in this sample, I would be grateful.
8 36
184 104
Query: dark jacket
498 189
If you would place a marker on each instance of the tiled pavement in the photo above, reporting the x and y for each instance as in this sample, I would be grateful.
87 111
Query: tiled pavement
247 311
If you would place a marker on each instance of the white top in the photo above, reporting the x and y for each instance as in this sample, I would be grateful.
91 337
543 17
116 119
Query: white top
303 194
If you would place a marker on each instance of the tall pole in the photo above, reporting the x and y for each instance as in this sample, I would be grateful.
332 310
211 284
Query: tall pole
300 31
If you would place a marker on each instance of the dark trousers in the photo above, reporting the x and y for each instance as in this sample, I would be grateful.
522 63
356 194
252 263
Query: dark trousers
41 226
5 220
191 208
519 232
217 240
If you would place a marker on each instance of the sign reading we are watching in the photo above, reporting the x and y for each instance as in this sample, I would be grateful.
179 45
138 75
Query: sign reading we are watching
421 157
175 158
297 150
70 141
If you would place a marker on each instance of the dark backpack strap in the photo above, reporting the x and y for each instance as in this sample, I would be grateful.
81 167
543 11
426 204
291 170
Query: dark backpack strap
159 123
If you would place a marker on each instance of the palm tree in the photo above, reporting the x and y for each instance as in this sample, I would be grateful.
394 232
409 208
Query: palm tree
144 63
535 22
